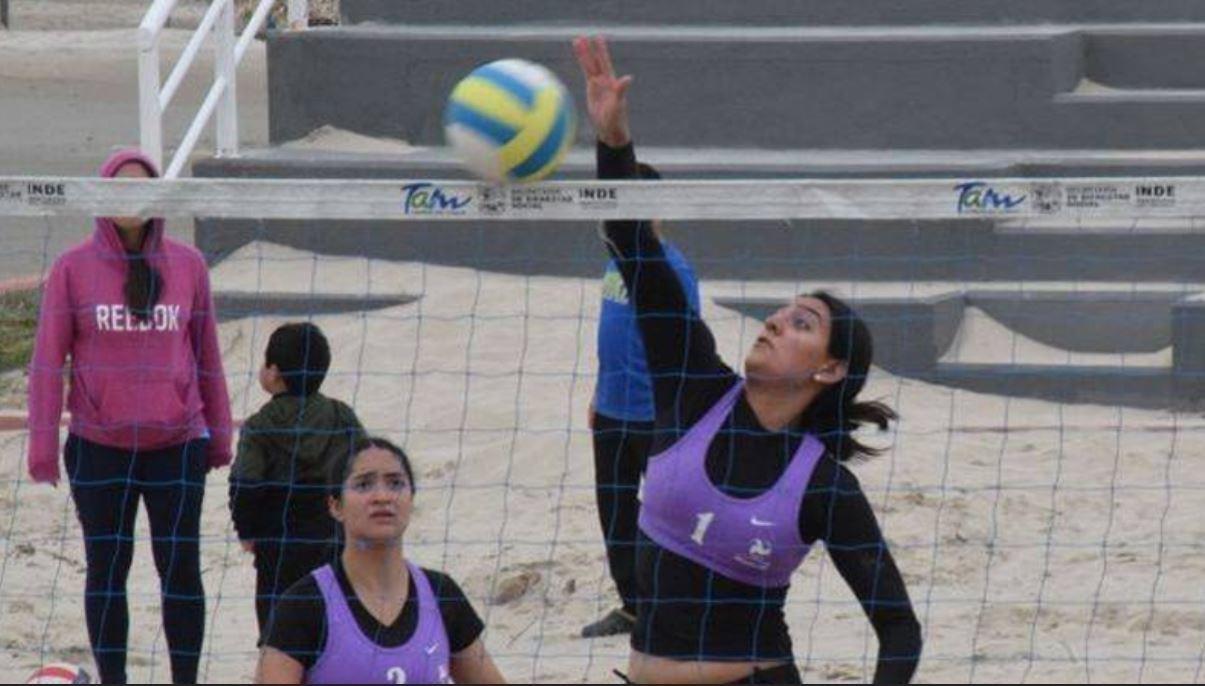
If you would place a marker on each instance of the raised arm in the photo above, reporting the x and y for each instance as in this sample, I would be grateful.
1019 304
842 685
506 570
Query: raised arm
681 350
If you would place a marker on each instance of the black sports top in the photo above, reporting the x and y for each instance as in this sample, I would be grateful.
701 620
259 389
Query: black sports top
686 611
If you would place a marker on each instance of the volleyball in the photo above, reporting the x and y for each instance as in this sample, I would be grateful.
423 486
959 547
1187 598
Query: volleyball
59 673
510 121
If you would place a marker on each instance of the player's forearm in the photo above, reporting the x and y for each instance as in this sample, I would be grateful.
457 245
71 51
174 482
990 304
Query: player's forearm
900 646
623 237
675 338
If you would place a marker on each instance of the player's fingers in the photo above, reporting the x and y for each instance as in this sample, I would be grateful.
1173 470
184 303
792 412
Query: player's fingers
621 87
604 56
581 49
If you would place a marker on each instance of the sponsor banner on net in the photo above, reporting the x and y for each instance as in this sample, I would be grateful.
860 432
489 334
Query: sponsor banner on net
34 193
1054 197
11 193
1098 196
1155 195
426 198
986 198
1106 196
1047 197
492 200
538 198
503 200
598 198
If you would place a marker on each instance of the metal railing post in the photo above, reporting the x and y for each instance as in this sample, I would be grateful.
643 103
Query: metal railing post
222 97
225 66
150 114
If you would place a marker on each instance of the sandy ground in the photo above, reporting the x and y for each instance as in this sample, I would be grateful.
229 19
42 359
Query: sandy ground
1041 542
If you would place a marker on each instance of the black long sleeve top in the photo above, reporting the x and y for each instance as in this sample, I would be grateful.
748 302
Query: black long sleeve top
686 611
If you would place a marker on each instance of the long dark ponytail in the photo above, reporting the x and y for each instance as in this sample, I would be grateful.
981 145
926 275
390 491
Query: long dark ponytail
143 284
836 414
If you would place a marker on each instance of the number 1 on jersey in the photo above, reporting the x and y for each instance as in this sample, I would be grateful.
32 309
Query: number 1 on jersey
701 527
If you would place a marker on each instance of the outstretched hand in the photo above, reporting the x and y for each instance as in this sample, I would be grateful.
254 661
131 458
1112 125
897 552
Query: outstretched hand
606 94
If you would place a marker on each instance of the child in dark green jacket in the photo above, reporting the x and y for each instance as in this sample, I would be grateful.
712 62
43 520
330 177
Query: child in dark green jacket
278 485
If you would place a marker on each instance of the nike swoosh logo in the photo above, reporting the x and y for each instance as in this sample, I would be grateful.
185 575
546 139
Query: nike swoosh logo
432 649
757 522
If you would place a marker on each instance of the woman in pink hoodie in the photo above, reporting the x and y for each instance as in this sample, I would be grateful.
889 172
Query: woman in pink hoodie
149 416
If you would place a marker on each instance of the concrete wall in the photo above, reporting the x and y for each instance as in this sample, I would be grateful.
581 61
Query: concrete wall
1017 89
911 334
1105 322
771 12
1121 58
919 86
232 305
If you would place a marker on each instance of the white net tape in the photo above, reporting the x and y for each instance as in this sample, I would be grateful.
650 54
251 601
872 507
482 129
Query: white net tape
1069 198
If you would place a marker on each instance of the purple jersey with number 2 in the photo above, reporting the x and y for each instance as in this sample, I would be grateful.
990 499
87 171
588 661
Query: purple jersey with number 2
750 540
350 657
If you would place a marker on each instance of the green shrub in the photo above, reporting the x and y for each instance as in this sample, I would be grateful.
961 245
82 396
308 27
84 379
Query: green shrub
18 324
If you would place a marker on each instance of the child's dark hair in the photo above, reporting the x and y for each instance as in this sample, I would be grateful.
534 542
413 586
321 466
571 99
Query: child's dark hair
346 461
836 414
301 354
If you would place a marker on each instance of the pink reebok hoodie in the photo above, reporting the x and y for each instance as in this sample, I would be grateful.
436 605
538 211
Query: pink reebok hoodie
135 384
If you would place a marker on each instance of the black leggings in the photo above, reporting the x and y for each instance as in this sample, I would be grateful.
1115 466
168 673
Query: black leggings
106 484
621 452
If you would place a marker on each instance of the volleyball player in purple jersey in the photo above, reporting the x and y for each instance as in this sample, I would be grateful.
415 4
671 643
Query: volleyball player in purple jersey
745 474
373 617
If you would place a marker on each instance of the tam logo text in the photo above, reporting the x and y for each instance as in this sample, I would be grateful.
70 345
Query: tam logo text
427 198
977 197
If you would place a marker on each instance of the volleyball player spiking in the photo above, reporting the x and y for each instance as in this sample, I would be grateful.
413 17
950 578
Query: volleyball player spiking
747 472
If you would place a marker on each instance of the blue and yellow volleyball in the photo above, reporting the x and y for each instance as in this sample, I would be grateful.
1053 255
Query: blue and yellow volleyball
510 121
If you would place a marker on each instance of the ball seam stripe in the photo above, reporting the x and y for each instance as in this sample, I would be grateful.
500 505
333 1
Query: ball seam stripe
553 163
548 148
508 83
540 123
491 100
492 129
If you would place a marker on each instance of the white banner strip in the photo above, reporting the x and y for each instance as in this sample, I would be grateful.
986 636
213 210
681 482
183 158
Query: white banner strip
880 199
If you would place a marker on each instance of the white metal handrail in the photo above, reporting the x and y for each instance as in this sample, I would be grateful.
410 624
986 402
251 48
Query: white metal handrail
222 98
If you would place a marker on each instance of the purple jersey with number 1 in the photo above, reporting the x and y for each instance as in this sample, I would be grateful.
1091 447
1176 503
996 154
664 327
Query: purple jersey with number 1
350 657
751 540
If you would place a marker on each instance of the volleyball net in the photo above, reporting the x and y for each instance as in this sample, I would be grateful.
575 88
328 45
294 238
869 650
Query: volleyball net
1040 338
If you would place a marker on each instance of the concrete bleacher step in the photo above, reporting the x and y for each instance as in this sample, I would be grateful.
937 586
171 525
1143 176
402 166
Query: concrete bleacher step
966 87
1107 346
232 305
972 249
769 12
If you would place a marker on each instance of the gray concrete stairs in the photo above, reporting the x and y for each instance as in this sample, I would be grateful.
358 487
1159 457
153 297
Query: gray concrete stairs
1106 347
771 12
924 88
1108 312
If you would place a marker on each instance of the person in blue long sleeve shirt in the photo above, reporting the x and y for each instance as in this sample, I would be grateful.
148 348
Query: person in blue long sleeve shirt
621 421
